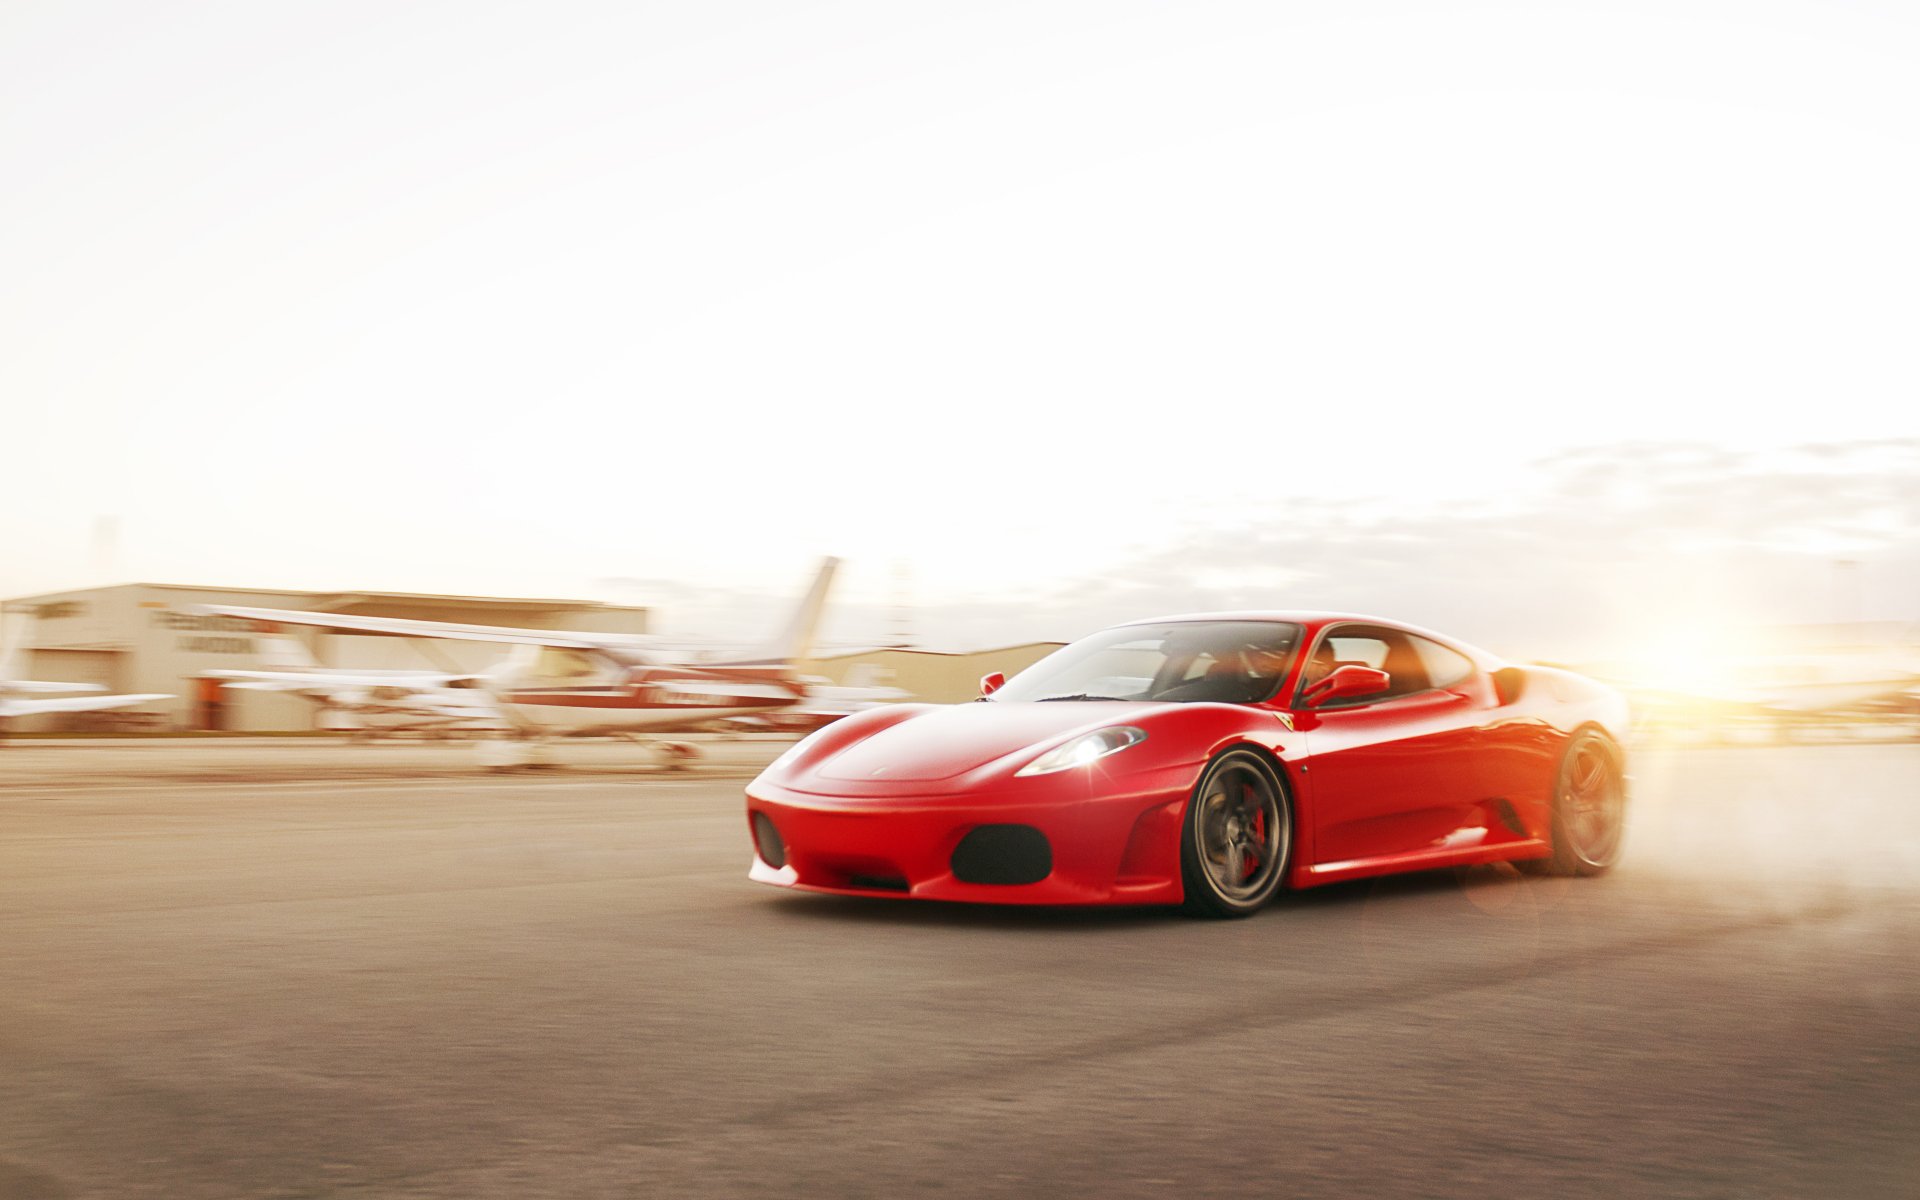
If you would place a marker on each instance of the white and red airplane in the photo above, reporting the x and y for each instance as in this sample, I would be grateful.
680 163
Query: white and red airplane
366 701
556 682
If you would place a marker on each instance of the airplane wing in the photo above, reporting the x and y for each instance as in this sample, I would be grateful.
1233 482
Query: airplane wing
791 645
35 685
30 708
406 627
263 680
722 693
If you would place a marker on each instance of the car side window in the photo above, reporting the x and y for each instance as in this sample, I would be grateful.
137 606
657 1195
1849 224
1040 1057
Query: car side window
1358 648
1444 667
1382 649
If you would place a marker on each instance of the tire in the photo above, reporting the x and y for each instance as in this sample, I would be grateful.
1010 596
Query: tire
1589 809
1238 826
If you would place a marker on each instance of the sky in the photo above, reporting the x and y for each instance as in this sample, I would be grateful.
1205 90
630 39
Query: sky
1537 322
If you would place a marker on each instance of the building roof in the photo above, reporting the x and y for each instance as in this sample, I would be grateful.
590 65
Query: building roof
338 601
839 654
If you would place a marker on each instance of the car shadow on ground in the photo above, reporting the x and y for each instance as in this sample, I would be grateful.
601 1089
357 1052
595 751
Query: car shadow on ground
886 910
1444 884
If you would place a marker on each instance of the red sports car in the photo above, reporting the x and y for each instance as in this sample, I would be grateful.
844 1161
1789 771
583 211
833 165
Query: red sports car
1206 761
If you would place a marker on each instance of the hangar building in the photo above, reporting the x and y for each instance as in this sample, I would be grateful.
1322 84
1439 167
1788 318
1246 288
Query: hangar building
932 676
140 637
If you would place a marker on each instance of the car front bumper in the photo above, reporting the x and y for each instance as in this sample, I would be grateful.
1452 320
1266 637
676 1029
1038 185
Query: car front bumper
1108 841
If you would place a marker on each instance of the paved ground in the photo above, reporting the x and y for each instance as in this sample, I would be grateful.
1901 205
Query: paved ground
315 970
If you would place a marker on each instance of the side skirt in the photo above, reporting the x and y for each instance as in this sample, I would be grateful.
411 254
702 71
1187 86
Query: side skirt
1424 860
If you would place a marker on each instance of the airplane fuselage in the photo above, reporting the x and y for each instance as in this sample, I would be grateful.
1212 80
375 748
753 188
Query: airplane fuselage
656 698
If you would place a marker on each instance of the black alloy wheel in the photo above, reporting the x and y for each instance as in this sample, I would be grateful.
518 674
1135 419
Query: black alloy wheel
1237 837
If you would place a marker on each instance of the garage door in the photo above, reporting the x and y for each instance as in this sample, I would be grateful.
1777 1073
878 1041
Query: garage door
76 666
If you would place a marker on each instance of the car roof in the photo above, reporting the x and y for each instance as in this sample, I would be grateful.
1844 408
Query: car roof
1292 616
1316 619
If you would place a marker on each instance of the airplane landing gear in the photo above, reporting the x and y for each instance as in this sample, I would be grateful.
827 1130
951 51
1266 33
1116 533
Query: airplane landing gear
511 754
532 754
666 755
675 756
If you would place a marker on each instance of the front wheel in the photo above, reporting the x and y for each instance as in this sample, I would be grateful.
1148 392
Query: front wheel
1237 837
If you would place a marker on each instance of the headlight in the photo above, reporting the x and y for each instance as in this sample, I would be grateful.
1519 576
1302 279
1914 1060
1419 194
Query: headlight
1085 749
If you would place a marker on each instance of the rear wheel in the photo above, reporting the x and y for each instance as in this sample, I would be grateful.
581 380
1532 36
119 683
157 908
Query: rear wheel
1237 837
1589 808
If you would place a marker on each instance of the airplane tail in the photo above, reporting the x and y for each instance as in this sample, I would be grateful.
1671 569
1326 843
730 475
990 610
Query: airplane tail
795 642
283 652
12 652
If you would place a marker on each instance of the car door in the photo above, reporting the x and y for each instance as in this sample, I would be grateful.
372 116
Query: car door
1398 773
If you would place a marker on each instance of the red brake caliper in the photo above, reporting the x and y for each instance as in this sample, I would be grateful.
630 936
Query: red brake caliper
1259 834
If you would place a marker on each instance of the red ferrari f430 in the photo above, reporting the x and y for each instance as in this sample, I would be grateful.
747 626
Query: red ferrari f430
1209 761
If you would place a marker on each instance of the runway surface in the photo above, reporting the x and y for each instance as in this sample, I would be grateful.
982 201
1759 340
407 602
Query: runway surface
307 969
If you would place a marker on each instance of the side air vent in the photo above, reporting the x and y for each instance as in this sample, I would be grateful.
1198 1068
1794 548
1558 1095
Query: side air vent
1509 683
1003 854
1503 808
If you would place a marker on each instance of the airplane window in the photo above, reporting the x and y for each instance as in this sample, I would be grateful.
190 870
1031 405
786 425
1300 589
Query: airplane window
556 665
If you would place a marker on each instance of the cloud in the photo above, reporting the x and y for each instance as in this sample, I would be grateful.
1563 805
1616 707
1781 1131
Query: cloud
1611 541
1572 555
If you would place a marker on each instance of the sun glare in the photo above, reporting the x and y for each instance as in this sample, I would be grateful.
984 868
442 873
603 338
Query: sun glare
1696 658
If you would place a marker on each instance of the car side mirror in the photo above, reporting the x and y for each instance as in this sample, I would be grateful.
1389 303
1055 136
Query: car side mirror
989 684
1346 683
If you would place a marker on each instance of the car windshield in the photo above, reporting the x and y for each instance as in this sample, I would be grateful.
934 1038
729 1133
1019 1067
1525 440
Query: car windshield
1228 662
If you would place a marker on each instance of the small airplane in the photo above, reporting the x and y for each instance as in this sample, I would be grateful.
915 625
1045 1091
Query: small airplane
558 683
23 697
368 701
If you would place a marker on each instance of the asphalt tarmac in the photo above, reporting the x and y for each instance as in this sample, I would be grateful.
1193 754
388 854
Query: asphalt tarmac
305 969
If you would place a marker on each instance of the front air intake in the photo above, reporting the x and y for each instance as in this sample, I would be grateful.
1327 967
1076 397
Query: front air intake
766 839
1003 854
878 883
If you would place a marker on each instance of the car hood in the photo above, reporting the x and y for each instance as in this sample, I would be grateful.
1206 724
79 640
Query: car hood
942 743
